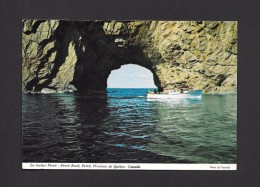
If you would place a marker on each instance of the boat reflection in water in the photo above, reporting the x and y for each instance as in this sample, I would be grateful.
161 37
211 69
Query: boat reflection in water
175 102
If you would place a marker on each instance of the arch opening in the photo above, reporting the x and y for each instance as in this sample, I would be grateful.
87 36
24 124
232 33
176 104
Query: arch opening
131 76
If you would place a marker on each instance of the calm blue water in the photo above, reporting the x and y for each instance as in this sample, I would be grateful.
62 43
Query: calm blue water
126 127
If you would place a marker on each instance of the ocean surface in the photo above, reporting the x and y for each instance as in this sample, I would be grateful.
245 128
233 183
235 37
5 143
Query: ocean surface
125 127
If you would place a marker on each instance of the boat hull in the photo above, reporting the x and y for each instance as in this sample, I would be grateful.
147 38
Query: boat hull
190 94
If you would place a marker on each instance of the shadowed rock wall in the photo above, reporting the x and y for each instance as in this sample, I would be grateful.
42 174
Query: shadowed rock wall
79 55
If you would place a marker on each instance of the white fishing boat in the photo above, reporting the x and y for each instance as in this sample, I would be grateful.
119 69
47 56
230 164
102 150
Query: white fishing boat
175 93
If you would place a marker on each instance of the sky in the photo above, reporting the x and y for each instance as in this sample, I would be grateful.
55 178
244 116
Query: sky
131 76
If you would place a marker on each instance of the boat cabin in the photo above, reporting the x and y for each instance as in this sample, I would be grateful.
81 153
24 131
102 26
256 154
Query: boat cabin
178 91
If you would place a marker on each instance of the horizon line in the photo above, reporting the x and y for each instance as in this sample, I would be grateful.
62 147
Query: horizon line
132 87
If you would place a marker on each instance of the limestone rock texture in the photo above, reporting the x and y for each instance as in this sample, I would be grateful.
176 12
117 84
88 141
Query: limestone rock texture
60 56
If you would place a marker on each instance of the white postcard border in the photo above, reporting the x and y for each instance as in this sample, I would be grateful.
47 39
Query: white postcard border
127 166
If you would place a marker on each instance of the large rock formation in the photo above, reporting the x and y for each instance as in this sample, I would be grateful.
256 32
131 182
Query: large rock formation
79 55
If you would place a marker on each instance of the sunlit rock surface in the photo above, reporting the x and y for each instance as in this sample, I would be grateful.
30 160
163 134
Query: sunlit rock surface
79 55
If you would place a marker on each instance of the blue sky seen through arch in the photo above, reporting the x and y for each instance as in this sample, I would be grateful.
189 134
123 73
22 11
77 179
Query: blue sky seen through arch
131 76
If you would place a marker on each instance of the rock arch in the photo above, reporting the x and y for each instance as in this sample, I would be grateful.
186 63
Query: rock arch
94 74
79 55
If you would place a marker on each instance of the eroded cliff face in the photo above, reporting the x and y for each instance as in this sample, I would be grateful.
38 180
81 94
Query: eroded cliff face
79 55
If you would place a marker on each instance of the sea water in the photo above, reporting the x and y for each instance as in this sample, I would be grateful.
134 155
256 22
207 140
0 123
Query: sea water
123 126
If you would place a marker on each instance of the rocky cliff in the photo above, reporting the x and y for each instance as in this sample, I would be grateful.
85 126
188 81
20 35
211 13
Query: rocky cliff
79 55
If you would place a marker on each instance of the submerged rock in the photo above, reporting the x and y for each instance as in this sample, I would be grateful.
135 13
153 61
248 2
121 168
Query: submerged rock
81 54
48 91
